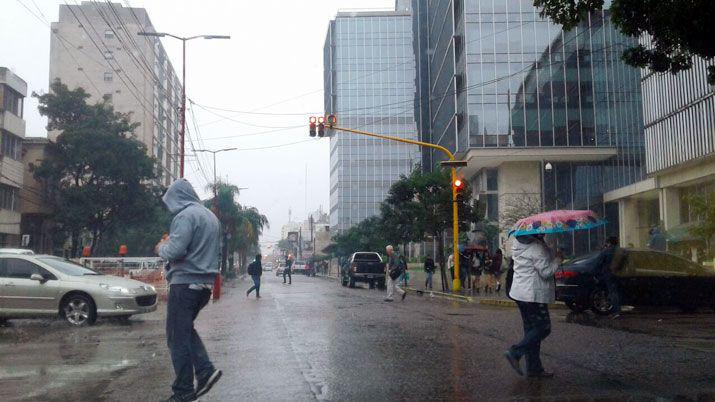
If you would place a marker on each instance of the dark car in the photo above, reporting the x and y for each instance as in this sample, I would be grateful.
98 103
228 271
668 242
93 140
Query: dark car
644 278
364 267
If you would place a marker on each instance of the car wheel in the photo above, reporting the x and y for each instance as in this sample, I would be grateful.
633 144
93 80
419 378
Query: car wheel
79 310
351 282
600 302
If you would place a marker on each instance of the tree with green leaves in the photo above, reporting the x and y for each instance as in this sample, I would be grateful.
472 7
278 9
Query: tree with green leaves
679 29
97 173
242 226
703 205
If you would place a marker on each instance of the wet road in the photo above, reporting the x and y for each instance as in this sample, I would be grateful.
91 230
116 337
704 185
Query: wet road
315 340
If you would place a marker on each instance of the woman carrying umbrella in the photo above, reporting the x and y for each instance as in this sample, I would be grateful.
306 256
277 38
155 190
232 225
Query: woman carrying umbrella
533 286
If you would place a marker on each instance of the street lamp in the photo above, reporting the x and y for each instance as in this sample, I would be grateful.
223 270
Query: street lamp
214 152
183 80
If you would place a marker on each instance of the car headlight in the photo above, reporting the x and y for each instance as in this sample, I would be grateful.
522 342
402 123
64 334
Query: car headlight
117 289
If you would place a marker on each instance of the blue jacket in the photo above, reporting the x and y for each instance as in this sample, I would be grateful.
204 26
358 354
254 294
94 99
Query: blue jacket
193 248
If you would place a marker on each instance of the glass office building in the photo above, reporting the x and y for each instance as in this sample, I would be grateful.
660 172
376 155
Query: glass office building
369 78
512 93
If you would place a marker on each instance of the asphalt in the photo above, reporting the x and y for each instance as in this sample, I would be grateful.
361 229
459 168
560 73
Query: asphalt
315 340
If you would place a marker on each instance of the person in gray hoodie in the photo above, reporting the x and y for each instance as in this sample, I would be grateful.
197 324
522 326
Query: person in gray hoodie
192 250
533 288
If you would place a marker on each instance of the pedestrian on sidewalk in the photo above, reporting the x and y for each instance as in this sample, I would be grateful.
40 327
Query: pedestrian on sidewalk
394 269
610 262
255 269
495 270
429 270
533 288
476 271
286 270
192 250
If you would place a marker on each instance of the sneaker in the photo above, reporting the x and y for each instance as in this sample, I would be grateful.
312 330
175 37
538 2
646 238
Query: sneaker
498 287
182 398
514 362
204 385
388 300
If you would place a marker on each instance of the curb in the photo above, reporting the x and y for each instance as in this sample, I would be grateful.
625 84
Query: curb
511 303
461 298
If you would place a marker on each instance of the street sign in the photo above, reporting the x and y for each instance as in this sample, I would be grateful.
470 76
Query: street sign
25 240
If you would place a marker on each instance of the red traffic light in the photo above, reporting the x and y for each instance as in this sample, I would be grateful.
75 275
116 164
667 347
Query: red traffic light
321 120
458 184
321 129
312 119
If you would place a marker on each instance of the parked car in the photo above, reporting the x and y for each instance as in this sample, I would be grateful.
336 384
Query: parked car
23 251
364 267
645 278
33 286
299 267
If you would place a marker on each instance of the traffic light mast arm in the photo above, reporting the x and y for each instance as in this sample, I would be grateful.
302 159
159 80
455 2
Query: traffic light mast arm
391 138
456 284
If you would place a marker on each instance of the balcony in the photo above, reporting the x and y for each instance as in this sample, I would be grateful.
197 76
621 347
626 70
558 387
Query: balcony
12 123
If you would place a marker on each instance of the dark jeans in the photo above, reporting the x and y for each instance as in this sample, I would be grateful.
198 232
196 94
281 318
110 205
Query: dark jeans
428 281
287 272
188 354
256 285
537 326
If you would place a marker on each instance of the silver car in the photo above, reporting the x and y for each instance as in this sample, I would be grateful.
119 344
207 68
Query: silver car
33 286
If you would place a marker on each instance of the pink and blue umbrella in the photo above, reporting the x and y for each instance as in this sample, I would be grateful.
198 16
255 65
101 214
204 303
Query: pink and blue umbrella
559 221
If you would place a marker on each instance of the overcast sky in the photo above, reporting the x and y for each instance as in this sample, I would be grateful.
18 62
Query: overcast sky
273 63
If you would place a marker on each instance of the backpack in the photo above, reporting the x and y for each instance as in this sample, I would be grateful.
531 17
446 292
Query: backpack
509 277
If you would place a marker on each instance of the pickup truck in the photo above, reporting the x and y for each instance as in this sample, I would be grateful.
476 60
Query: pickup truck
364 267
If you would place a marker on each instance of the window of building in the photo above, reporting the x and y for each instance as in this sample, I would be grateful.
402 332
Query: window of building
11 146
109 34
9 198
108 76
11 101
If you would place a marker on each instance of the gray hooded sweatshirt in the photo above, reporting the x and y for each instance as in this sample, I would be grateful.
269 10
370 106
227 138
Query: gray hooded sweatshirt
193 248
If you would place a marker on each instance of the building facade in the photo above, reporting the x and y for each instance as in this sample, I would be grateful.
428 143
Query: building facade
13 91
679 115
369 85
546 119
95 46
36 222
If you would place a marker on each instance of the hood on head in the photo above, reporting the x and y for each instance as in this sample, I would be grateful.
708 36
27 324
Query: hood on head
179 196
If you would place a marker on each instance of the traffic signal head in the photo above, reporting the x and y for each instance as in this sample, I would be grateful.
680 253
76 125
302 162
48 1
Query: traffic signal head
459 184
321 126
312 126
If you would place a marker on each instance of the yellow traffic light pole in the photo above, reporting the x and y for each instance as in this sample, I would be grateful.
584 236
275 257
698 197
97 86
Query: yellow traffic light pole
456 283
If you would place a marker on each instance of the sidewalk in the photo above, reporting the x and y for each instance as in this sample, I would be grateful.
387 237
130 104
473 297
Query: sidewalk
416 283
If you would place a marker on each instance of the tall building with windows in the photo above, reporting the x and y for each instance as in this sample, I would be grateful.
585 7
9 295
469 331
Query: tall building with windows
12 131
95 46
369 85
679 115
546 119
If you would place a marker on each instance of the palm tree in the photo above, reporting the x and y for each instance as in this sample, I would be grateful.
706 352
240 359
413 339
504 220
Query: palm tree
241 226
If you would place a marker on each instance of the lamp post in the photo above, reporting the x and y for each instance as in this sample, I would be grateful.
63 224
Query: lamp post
224 240
214 152
183 81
